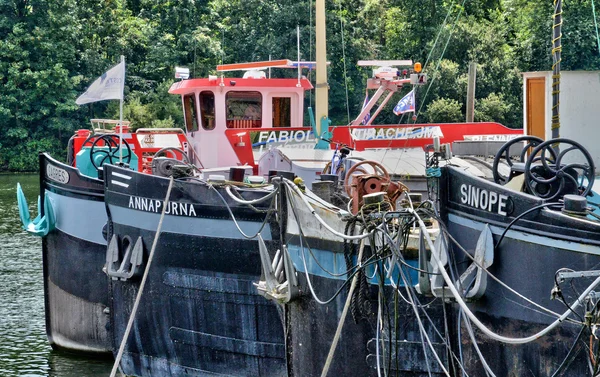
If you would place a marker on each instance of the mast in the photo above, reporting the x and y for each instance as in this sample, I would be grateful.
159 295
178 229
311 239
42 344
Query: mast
556 50
321 85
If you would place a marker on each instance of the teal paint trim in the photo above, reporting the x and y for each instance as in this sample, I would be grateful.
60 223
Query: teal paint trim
325 135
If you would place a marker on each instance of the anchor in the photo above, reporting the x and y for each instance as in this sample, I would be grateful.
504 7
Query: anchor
473 280
436 279
41 225
130 266
475 276
280 283
424 286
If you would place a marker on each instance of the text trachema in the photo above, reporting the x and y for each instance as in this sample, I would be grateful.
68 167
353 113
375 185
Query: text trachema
394 133
156 206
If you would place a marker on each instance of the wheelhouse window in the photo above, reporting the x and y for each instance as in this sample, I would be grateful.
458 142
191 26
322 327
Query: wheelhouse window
189 108
207 110
243 109
282 112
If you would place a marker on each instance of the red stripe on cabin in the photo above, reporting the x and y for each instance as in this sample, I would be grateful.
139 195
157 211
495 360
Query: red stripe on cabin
189 86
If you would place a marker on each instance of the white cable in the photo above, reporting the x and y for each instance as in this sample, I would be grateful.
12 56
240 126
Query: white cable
374 273
338 331
310 287
460 351
235 222
477 322
422 328
476 346
142 284
422 307
411 302
296 190
249 202
377 335
503 284
506 286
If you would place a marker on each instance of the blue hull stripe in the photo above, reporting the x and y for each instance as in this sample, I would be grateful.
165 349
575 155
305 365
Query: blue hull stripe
193 226
530 238
336 264
80 218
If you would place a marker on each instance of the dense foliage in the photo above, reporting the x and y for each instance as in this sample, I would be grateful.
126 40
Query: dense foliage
50 51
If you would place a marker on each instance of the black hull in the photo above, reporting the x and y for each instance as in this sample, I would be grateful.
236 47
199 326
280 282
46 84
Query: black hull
199 314
530 254
76 289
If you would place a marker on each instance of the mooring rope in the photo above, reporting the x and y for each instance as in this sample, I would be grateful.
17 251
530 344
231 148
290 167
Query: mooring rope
556 60
338 331
142 284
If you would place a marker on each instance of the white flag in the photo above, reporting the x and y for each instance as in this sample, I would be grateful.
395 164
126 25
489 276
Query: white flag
108 86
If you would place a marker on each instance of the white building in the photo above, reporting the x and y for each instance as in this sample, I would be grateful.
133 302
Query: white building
579 107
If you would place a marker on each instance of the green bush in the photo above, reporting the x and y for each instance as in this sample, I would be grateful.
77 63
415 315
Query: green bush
493 108
444 110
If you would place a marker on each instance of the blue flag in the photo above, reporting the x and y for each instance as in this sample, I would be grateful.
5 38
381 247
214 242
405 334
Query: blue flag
406 104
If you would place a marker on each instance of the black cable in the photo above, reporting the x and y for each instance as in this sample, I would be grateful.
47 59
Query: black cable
524 214
404 263
396 330
570 356
356 302
349 278
561 296
416 302
405 241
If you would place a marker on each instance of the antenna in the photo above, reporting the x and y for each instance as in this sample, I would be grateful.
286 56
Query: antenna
385 63
298 43
385 68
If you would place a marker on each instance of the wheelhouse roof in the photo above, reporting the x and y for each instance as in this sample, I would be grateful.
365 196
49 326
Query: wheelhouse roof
190 86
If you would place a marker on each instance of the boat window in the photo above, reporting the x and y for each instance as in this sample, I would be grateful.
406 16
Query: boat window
189 108
244 109
207 110
282 112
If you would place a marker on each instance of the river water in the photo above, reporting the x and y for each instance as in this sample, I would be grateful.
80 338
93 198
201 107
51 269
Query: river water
24 348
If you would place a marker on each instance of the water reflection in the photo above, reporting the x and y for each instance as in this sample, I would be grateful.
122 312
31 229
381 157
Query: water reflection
24 349
64 365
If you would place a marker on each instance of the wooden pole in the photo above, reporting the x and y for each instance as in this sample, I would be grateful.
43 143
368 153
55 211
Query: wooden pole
321 85
471 92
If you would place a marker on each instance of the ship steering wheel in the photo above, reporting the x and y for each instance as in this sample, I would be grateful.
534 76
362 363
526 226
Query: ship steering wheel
515 168
173 153
552 179
107 146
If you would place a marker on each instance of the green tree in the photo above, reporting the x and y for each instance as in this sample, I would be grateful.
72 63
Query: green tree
444 111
